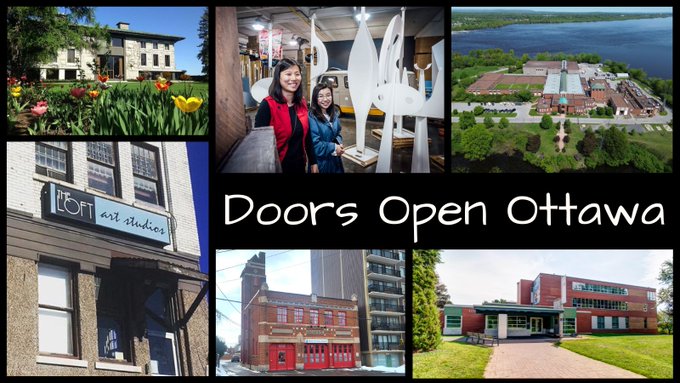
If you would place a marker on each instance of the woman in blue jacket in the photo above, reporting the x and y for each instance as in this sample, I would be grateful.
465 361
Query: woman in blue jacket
324 125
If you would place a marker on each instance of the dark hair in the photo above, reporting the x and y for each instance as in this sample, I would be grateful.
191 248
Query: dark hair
316 108
275 88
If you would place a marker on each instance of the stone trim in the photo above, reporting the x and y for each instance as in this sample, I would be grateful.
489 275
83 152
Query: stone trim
59 361
117 367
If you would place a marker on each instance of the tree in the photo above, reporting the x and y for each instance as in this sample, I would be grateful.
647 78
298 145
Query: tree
503 123
476 142
36 34
616 147
546 122
488 122
588 144
478 110
467 120
426 326
443 296
664 322
220 348
567 126
666 293
501 300
524 95
533 143
204 35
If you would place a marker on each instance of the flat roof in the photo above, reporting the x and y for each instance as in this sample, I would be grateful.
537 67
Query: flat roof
552 84
571 65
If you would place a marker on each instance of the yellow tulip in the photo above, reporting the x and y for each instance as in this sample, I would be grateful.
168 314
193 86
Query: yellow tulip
15 91
15 95
187 106
162 80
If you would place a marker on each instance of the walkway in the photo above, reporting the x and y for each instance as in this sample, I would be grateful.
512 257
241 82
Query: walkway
544 360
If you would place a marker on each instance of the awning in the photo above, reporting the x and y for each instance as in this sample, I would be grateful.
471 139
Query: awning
516 309
178 271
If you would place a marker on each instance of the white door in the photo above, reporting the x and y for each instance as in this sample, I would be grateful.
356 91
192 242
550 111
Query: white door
536 325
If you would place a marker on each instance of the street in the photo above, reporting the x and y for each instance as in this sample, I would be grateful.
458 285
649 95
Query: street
235 369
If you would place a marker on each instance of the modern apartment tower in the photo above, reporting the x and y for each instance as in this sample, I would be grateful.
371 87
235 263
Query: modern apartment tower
378 277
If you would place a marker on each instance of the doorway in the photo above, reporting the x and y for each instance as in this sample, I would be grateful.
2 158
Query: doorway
537 325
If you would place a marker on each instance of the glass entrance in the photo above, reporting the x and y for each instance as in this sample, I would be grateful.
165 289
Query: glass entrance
536 325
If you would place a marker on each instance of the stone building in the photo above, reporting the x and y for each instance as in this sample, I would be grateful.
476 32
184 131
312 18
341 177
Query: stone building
285 331
103 261
130 54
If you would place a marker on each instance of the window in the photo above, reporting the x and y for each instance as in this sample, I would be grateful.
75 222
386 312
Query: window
155 45
569 325
143 59
145 169
55 310
453 321
644 323
167 60
142 44
328 317
298 315
155 60
615 323
117 42
314 317
651 296
491 322
101 167
580 286
342 319
281 315
600 322
52 159
71 56
517 322
111 295
167 46
626 323
330 80
599 304
70 74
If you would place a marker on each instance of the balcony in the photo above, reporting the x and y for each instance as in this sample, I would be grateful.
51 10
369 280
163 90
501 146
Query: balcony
380 272
384 307
394 346
384 257
377 290
378 326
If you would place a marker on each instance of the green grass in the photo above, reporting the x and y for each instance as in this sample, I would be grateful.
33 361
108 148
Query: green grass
177 88
648 355
472 71
659 142
452 360
507 115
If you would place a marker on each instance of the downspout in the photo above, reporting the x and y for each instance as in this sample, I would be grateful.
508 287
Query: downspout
173 221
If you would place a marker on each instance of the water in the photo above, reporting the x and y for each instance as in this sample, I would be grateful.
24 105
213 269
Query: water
646 44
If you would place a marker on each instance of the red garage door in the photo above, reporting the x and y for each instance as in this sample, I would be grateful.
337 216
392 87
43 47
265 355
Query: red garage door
281 357
343 355
316 356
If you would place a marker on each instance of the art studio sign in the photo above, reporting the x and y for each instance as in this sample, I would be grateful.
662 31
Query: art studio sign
90 210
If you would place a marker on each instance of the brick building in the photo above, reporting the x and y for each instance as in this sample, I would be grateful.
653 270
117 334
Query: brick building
285 331
559 305
103 261
544 68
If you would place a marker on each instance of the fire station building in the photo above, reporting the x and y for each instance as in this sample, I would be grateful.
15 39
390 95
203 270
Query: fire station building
559 305
285 331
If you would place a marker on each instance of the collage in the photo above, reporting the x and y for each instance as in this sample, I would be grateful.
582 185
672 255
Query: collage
406 192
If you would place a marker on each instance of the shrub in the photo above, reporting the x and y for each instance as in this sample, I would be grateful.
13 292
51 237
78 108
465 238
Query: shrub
556 138
455 112
566 139
533 143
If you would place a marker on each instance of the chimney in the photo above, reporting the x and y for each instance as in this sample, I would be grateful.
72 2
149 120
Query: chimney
123 25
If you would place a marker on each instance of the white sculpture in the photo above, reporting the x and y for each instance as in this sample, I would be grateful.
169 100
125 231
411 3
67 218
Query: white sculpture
433 108
362 75
321 57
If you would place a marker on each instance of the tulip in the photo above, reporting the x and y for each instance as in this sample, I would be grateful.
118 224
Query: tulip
162 86
78 92
187 106
93 93
11 81
39 110
102 78
140 78
15 91
104 85
41 103
24 78
161 79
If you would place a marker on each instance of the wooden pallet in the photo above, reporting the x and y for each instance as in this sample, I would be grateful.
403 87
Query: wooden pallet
437 162
370 157
398 142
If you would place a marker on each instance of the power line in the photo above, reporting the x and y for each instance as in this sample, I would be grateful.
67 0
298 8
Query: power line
243 264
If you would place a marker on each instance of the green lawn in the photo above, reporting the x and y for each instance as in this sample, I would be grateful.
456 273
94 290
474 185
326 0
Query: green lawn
659 142
472 71
452 360
177 88
506 115
648 355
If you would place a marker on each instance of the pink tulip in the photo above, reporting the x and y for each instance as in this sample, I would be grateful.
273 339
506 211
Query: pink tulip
39 110
41 103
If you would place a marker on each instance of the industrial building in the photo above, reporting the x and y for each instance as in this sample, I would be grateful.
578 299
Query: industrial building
554 305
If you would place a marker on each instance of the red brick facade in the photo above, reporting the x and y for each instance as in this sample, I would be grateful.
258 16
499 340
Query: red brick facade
285 331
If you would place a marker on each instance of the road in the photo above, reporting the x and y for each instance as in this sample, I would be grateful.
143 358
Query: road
524 117
235 369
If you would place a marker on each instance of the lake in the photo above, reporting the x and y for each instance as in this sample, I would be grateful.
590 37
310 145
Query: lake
646 43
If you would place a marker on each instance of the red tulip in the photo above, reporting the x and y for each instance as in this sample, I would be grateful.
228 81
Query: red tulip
78 92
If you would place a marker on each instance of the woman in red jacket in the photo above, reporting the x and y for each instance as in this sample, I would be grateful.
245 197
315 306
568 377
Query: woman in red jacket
286 110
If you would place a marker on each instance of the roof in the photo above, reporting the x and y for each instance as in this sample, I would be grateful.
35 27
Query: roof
571 65
572 82
148 35
496 308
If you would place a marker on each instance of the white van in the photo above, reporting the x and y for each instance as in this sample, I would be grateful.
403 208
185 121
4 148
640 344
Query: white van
341 97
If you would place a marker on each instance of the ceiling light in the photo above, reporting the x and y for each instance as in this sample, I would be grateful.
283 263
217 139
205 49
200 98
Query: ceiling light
358 16
258 25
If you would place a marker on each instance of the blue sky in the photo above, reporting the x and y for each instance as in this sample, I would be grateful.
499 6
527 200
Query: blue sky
502 269
199 169
175 21
585 9
287 270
